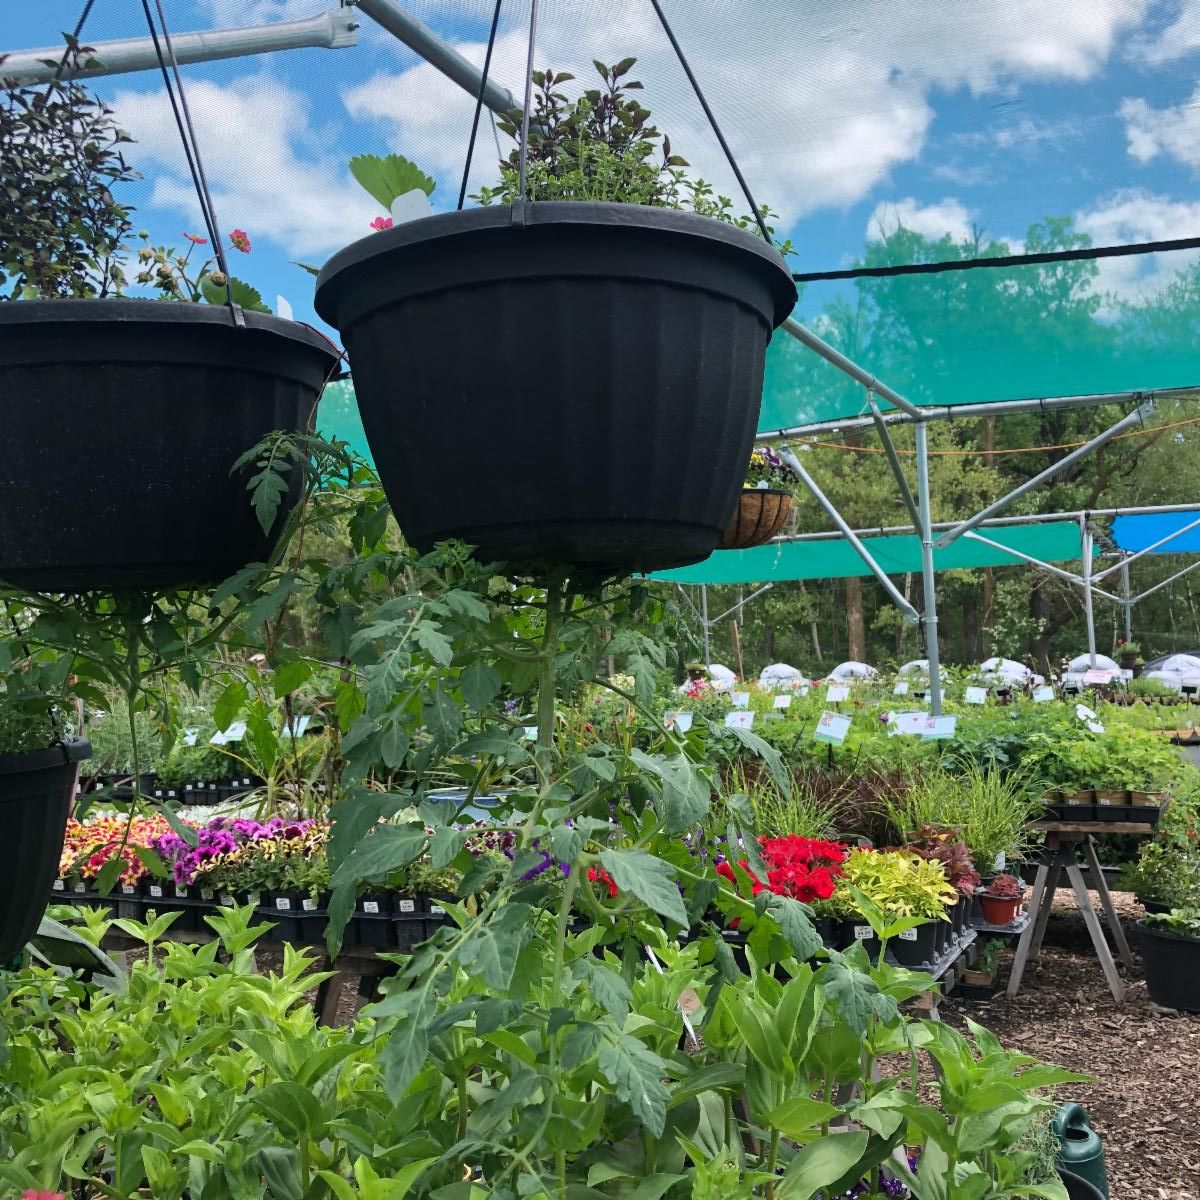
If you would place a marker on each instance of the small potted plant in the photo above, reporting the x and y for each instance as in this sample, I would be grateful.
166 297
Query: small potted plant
1001 899
1128 654
766 501
548 325
982 972
1171 956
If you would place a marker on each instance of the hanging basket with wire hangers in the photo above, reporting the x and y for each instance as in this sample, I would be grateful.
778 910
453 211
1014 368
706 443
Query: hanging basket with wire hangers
560 381
123 420
760 515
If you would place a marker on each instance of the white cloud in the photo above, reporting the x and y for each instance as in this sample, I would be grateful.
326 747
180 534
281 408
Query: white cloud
1173 41
237 13
947 216
266 170
1135 215
1174 132
818 112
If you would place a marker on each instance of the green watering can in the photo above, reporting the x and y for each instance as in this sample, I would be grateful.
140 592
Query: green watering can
1082 1152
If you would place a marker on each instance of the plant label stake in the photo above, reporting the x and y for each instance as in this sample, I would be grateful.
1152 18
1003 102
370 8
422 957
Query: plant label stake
739 720
836 693
832 728
783 702
975 695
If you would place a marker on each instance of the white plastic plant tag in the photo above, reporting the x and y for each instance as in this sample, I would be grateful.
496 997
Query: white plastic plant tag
739 720
908 935
530 733
836 693
79 887
297 725
156 890
189 736
408 906
783 702
282 307
771 716
681 722
127 889
901 689
180 891
910 722
832 728
283 902
411 207
1044 693
437 908
863 933
59 885
371 906
1084 713
1000 863
975 695
1095 726
739 699
937 728
802 691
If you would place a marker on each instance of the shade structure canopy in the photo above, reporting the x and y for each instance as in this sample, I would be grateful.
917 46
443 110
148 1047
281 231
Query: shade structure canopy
1144 532
897 554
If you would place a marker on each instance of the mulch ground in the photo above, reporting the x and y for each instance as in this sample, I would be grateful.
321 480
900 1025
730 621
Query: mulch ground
1145 1102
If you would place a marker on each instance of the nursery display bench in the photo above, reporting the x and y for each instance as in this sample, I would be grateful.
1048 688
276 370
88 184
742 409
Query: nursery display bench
1065 842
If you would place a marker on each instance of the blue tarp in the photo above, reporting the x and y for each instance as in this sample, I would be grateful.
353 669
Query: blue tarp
1136 532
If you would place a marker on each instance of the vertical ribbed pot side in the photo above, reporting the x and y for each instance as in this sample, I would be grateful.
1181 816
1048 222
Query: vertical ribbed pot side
122 420
35 800
560 382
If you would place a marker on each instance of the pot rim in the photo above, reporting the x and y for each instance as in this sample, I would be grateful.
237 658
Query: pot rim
61 754
1166 934
549 214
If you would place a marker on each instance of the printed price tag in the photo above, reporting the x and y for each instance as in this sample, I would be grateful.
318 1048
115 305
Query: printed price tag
437 908
739 720
937 728
832 728
227 901
908 935
181 891
297 725
1044 693
783 702
156 891
1104 801
739 699
863 933
308 904
901 689
408 906
283 902
370 906
681 722
58 885
127 889
975 695
837 692
80 887
530 733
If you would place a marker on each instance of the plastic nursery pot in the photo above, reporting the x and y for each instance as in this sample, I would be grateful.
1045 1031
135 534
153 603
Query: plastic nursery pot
35 799
917 948
1079 1188
122 421
761 513
1172 966
999 910
560 381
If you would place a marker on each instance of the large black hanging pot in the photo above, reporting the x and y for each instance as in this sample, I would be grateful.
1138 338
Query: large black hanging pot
559 381
121 420
35 801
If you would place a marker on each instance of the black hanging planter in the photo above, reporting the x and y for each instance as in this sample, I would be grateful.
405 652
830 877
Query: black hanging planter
122 420
35 801
560 381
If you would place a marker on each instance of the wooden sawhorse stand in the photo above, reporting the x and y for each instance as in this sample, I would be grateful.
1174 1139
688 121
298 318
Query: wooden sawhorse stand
1064 840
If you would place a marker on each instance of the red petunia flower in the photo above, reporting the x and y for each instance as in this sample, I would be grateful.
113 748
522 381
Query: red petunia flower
196 241
241 240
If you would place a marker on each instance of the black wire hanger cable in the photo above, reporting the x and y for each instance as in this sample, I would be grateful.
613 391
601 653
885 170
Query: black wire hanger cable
191 148
483 80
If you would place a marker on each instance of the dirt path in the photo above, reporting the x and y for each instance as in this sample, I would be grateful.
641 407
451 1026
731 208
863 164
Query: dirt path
1145 1102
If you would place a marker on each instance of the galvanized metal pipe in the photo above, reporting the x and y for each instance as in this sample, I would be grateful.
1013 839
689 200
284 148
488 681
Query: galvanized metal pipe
928 583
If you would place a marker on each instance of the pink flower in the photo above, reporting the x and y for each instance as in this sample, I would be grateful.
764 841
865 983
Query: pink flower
196 241
30 1194
241 240
381 223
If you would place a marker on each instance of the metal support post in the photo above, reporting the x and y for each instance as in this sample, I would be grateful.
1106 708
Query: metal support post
928 585
836 358
704 625
1085 550
333 30
894 461
1134 418
1126 603
438 53
910 613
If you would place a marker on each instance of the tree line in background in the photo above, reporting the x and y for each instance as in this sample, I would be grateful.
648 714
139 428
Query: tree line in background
1034 330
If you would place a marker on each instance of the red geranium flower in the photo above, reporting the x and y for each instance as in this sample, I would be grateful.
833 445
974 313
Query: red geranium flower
600 875
381 223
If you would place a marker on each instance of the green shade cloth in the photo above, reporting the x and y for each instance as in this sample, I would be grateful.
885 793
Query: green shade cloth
977 336
338 419
897 554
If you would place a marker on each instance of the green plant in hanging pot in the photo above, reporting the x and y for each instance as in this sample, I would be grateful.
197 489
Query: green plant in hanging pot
765 504
39 766
543 326
137 487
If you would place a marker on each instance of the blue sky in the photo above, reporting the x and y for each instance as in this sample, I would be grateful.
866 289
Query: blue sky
847 116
